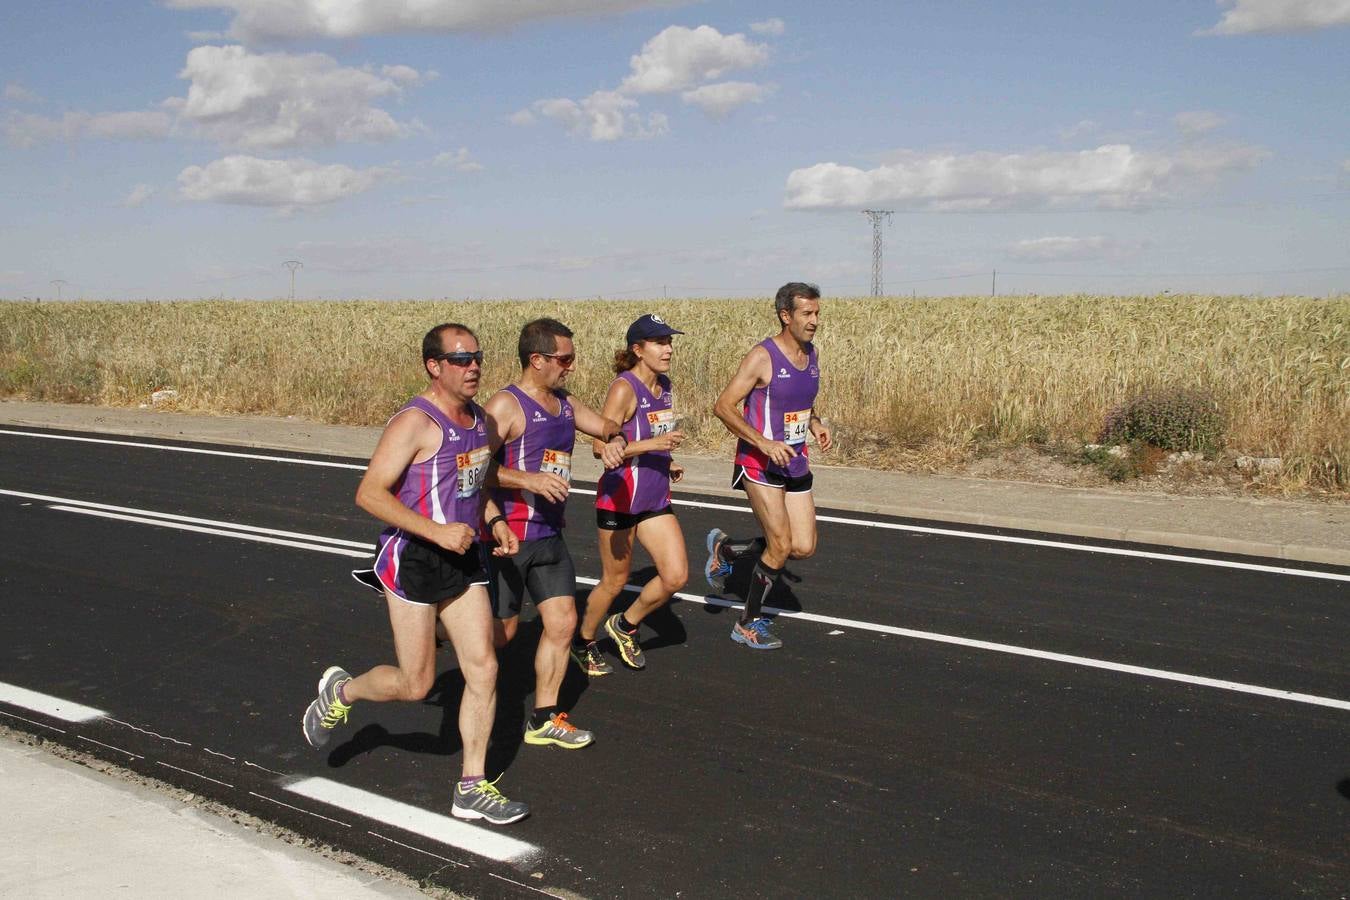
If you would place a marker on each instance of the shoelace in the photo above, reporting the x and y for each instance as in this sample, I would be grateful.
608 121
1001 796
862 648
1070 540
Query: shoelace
488 789
337 712
760 627
559 720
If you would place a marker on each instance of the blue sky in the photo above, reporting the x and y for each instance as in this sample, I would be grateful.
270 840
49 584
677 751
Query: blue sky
623 148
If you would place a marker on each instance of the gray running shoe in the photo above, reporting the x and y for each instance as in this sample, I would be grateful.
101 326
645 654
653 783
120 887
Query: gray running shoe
590 660
559 732
629 651
755 635
484 801
715 570
328 711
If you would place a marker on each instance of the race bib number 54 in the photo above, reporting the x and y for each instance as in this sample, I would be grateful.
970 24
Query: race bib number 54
557 462
472 469
795 426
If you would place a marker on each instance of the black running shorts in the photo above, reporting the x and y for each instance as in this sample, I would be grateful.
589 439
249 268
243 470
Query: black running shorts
543 567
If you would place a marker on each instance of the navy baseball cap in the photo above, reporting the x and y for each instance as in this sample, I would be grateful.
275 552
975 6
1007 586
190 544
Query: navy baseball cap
648 327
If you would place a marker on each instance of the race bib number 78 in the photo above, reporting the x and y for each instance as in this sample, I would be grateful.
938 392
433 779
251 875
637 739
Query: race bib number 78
661 421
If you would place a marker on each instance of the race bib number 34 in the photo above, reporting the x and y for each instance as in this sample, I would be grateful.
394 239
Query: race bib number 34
795 426
472 469
557 462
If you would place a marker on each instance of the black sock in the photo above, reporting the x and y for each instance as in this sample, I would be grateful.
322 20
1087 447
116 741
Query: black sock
731 549
761 583
541 716
580 643
625 625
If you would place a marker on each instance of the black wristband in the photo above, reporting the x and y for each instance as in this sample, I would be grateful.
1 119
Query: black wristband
493 521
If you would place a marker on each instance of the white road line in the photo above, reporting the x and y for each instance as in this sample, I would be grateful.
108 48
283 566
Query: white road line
110 747
151 733
190 772
433 826
241 535
728 507
444 859
172 517
176 449
298 809
48 705
8 715
1049 655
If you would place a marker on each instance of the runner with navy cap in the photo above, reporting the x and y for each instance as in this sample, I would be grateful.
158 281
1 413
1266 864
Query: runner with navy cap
634 498
769 406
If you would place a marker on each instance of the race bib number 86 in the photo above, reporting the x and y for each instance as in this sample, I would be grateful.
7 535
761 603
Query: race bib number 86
795 426
472 469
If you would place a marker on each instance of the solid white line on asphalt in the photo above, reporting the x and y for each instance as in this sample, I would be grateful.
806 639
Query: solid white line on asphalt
286 459
48 705
245 536
838 520
1198 680
475 839
190 772
47 498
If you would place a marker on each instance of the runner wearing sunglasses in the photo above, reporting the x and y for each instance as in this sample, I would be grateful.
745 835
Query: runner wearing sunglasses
534 423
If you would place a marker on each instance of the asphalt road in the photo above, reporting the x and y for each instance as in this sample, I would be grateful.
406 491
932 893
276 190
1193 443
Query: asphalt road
950 715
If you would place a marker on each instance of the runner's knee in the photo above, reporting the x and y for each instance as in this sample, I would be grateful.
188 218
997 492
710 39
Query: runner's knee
479 670
674 580
802 549
561 623
416 685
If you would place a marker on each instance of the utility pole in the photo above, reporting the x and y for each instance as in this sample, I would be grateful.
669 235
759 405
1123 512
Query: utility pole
876 215
993 284
293 264
60 283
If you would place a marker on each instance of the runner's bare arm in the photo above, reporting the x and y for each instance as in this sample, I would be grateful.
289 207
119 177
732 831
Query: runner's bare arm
602 427
754 371
507 542
411 437
506 423
824 439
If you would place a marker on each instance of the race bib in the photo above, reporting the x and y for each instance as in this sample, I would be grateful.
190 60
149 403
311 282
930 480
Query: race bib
796 425
472 469
557 462
661 421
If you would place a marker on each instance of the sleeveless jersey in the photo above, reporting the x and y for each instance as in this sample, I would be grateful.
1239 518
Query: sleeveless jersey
444 488
544 446
781 411
642 483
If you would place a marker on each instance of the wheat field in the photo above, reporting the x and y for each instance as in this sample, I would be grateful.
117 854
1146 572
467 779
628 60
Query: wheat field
911 384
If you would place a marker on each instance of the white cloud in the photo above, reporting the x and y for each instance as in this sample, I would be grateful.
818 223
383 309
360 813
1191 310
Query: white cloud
773 27
1070 249
1113 175
719 100
1197 122
264 19
24 130
139 194
17 93
1079 129
459 160
521 117
278 100
1267 16
679 58
603 116
250 181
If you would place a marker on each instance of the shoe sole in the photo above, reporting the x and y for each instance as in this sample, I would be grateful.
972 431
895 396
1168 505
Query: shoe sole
614 636
473 814
546 742
711 542
596 673
746 642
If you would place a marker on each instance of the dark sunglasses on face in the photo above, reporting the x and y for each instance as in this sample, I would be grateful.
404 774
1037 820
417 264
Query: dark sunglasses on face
564 359
462 357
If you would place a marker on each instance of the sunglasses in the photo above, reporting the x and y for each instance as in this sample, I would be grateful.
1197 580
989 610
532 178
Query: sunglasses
564 359
462 357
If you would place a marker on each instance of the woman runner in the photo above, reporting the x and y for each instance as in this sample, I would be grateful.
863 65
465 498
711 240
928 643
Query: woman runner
634 498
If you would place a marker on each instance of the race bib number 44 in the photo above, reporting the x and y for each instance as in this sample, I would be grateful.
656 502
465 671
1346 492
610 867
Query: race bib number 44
661 421
557 462
472 469
796 426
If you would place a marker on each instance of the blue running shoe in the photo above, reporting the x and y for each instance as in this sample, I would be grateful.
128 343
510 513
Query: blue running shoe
756 635
715 570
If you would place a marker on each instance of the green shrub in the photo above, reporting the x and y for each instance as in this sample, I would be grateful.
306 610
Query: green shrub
1168 418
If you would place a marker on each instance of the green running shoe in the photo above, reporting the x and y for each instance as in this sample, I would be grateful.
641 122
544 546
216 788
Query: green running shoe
629 651
559 732
484 801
